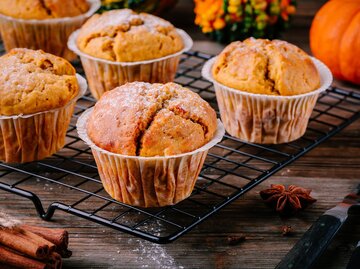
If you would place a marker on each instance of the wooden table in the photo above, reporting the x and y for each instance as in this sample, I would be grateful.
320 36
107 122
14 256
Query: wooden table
332 170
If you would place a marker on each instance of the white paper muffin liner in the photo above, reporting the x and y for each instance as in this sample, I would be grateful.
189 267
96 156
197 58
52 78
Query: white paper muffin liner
266 119
50 35
26 138
148 181
104 75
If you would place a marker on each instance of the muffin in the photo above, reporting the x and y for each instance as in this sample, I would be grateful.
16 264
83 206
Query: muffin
43 9
121 46
43 24
150 141
125 36
266 90
38 92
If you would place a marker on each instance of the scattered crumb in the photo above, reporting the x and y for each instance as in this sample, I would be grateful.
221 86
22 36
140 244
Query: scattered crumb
286 230
235 240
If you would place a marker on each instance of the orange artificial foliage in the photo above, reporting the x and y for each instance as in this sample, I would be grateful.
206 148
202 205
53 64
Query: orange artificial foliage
335 38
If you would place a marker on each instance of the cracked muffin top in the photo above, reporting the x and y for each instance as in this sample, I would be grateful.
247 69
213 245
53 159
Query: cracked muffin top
125 36
143 119
266 67
43 9
34 81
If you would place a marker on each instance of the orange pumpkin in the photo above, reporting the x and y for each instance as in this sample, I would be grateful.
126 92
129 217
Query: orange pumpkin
335 38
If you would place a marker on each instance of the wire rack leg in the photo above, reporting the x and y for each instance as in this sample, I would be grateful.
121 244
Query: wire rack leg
33 198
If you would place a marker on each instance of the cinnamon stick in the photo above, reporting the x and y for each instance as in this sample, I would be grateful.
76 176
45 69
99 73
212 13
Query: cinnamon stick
37 239
65 253
59 237
16 240
55 261
9 258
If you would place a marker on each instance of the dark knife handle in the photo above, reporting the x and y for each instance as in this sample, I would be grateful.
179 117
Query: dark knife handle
354 262
312 244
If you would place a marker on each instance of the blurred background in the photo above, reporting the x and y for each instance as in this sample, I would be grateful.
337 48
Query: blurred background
182 16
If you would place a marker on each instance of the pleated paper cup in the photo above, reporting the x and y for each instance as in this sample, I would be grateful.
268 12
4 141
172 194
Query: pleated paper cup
148 181
50 35
266 119
104 75
26 138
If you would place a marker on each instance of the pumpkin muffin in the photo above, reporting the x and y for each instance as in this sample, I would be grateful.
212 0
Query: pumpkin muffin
43 9
266 67
150 141
121 46
266 90
35 81
43 24
38 92
125 36
151 120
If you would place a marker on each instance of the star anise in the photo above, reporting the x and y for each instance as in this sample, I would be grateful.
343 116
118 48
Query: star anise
287 201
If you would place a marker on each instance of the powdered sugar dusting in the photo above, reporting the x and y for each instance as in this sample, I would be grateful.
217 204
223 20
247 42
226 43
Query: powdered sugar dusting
115 18
6 221
150 255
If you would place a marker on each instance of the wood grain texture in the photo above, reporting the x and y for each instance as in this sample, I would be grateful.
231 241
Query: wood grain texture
332 170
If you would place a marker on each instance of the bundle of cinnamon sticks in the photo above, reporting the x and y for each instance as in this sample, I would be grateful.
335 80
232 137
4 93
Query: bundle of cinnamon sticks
33 247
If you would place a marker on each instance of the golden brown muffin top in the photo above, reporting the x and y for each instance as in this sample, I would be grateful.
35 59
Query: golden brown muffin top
34 81
43 9
143 119
266 67
125 36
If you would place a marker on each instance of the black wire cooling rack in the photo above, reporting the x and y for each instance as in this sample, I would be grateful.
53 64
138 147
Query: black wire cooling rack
69 180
